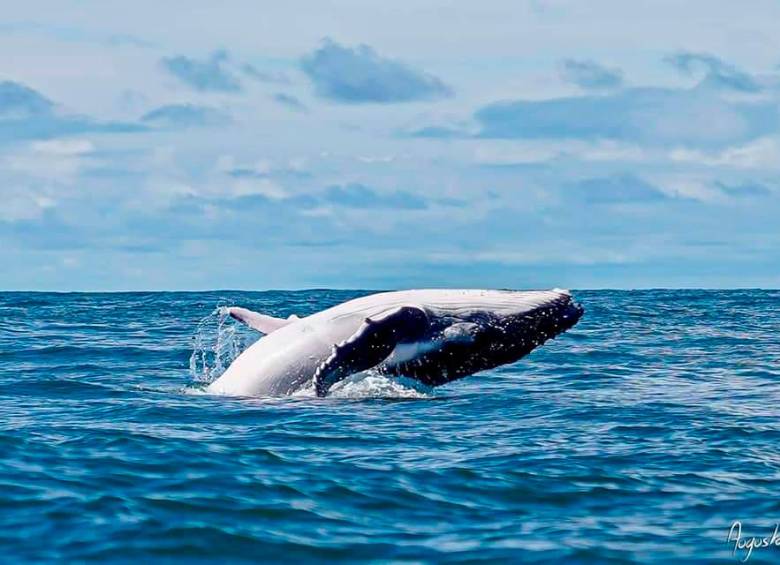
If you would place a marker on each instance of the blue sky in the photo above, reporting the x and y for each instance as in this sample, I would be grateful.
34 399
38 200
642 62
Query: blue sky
386 145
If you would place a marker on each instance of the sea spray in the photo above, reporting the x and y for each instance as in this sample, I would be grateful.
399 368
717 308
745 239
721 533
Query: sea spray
216 343
372 384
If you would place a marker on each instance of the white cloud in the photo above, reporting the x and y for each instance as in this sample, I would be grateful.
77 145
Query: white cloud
370 159
763 153
63 146
38 176
57 160
516 154
541 151
691 186
256 187
23 203
557 251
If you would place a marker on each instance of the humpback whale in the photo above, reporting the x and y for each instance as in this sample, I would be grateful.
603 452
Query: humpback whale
433 336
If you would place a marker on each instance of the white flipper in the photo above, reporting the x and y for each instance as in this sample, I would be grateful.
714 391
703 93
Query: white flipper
260 322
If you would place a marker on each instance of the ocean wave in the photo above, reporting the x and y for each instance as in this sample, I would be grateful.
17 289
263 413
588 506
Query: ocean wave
639 436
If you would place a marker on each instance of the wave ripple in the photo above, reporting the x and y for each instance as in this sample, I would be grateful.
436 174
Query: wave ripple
640 435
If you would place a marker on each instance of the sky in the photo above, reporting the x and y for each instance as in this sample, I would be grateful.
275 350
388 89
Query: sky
352 144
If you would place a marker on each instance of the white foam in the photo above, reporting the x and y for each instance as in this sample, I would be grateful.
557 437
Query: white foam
194 391
369 384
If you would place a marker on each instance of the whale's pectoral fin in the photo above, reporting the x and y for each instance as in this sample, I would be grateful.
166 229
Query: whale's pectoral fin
370 345
260 322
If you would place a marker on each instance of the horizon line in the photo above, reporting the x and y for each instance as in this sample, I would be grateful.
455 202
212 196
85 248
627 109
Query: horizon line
380 289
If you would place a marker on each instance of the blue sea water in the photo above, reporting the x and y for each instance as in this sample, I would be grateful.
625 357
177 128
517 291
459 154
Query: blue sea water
640 435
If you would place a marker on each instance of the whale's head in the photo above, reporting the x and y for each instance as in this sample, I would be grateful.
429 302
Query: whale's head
529 319
477 330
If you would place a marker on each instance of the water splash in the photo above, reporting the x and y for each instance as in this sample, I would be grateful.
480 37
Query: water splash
216 343
371 384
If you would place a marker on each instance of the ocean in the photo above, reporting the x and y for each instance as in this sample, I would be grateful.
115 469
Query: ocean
641 435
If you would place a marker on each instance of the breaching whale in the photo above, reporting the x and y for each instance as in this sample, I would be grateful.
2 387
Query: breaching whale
433 336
